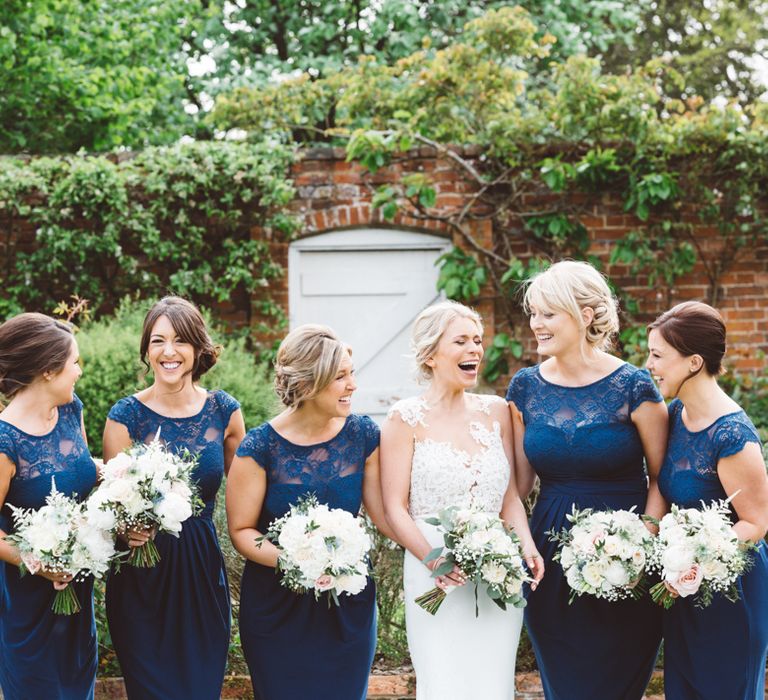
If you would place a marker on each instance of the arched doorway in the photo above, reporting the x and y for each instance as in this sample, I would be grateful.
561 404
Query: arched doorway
369 285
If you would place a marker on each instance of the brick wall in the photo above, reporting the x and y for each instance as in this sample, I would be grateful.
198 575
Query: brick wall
333 194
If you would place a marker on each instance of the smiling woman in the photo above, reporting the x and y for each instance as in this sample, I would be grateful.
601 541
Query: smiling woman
451 448
165 619
297 646
42 439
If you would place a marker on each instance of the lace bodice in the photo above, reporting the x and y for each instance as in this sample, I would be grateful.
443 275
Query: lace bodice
332 470
443 475
61 454
689 474
586 432
201 434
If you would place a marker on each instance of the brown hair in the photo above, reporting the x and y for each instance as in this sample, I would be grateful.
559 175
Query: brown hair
189 323
30 345
694 328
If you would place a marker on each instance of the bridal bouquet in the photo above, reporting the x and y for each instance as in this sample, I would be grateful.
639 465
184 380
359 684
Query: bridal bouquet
145 486
61 537
485 550
604 553
322 549
698 553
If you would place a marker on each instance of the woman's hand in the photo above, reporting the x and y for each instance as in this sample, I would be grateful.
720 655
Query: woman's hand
535 563
137 537
455 577
60 579
671 590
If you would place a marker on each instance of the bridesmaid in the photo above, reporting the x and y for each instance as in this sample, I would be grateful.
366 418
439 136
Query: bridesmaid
42 655
585 422
713 452
170 623
295 646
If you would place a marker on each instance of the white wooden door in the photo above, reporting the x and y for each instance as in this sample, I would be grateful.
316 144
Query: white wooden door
368 285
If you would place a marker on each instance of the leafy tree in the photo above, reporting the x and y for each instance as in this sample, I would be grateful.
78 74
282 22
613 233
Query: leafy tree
94 75
260 38
711 43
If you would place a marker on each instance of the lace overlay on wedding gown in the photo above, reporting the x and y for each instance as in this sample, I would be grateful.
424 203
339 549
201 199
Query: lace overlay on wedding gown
443 475
456 654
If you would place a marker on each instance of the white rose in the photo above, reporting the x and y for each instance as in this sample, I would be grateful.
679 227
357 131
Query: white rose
117 491
117 467
172 511
351 583
594 573
567 557
677 558
616 574
43 538
714 569
611 545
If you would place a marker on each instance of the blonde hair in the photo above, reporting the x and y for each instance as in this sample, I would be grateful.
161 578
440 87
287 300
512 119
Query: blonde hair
572 286
307 362
428 329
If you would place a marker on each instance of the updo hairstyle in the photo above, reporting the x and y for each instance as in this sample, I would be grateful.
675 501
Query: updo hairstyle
428 329
694 328
31 344
189 325
571 286
307 361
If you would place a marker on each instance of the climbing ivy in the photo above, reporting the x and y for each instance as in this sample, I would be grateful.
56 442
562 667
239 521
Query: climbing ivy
564 137
169 219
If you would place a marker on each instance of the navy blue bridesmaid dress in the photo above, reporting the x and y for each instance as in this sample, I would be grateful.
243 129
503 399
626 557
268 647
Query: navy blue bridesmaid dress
170 623
297 647
587 453
717 652
44 656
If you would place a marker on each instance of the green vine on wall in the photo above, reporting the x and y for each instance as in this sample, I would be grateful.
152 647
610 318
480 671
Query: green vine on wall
175 219
565 137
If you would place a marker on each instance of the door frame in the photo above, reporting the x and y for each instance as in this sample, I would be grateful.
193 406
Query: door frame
367 239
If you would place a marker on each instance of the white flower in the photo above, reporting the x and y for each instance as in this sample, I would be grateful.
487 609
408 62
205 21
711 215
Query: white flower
574 578
594 573
493 572
351 583
677 558
616 574
172 511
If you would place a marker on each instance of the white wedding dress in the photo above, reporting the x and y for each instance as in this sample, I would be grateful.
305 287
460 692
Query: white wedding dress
456 655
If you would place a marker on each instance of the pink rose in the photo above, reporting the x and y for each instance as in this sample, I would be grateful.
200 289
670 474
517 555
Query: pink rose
32 563
324 583
686 582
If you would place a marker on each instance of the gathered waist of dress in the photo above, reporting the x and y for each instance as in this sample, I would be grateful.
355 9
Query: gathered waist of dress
552 488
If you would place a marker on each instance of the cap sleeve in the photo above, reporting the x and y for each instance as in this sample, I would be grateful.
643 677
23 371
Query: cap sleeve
8 444
255 445
731 436
642 389
371 435
228 404
518 388
123 412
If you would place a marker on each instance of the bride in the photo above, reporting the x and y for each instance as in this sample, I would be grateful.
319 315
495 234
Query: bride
447 448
